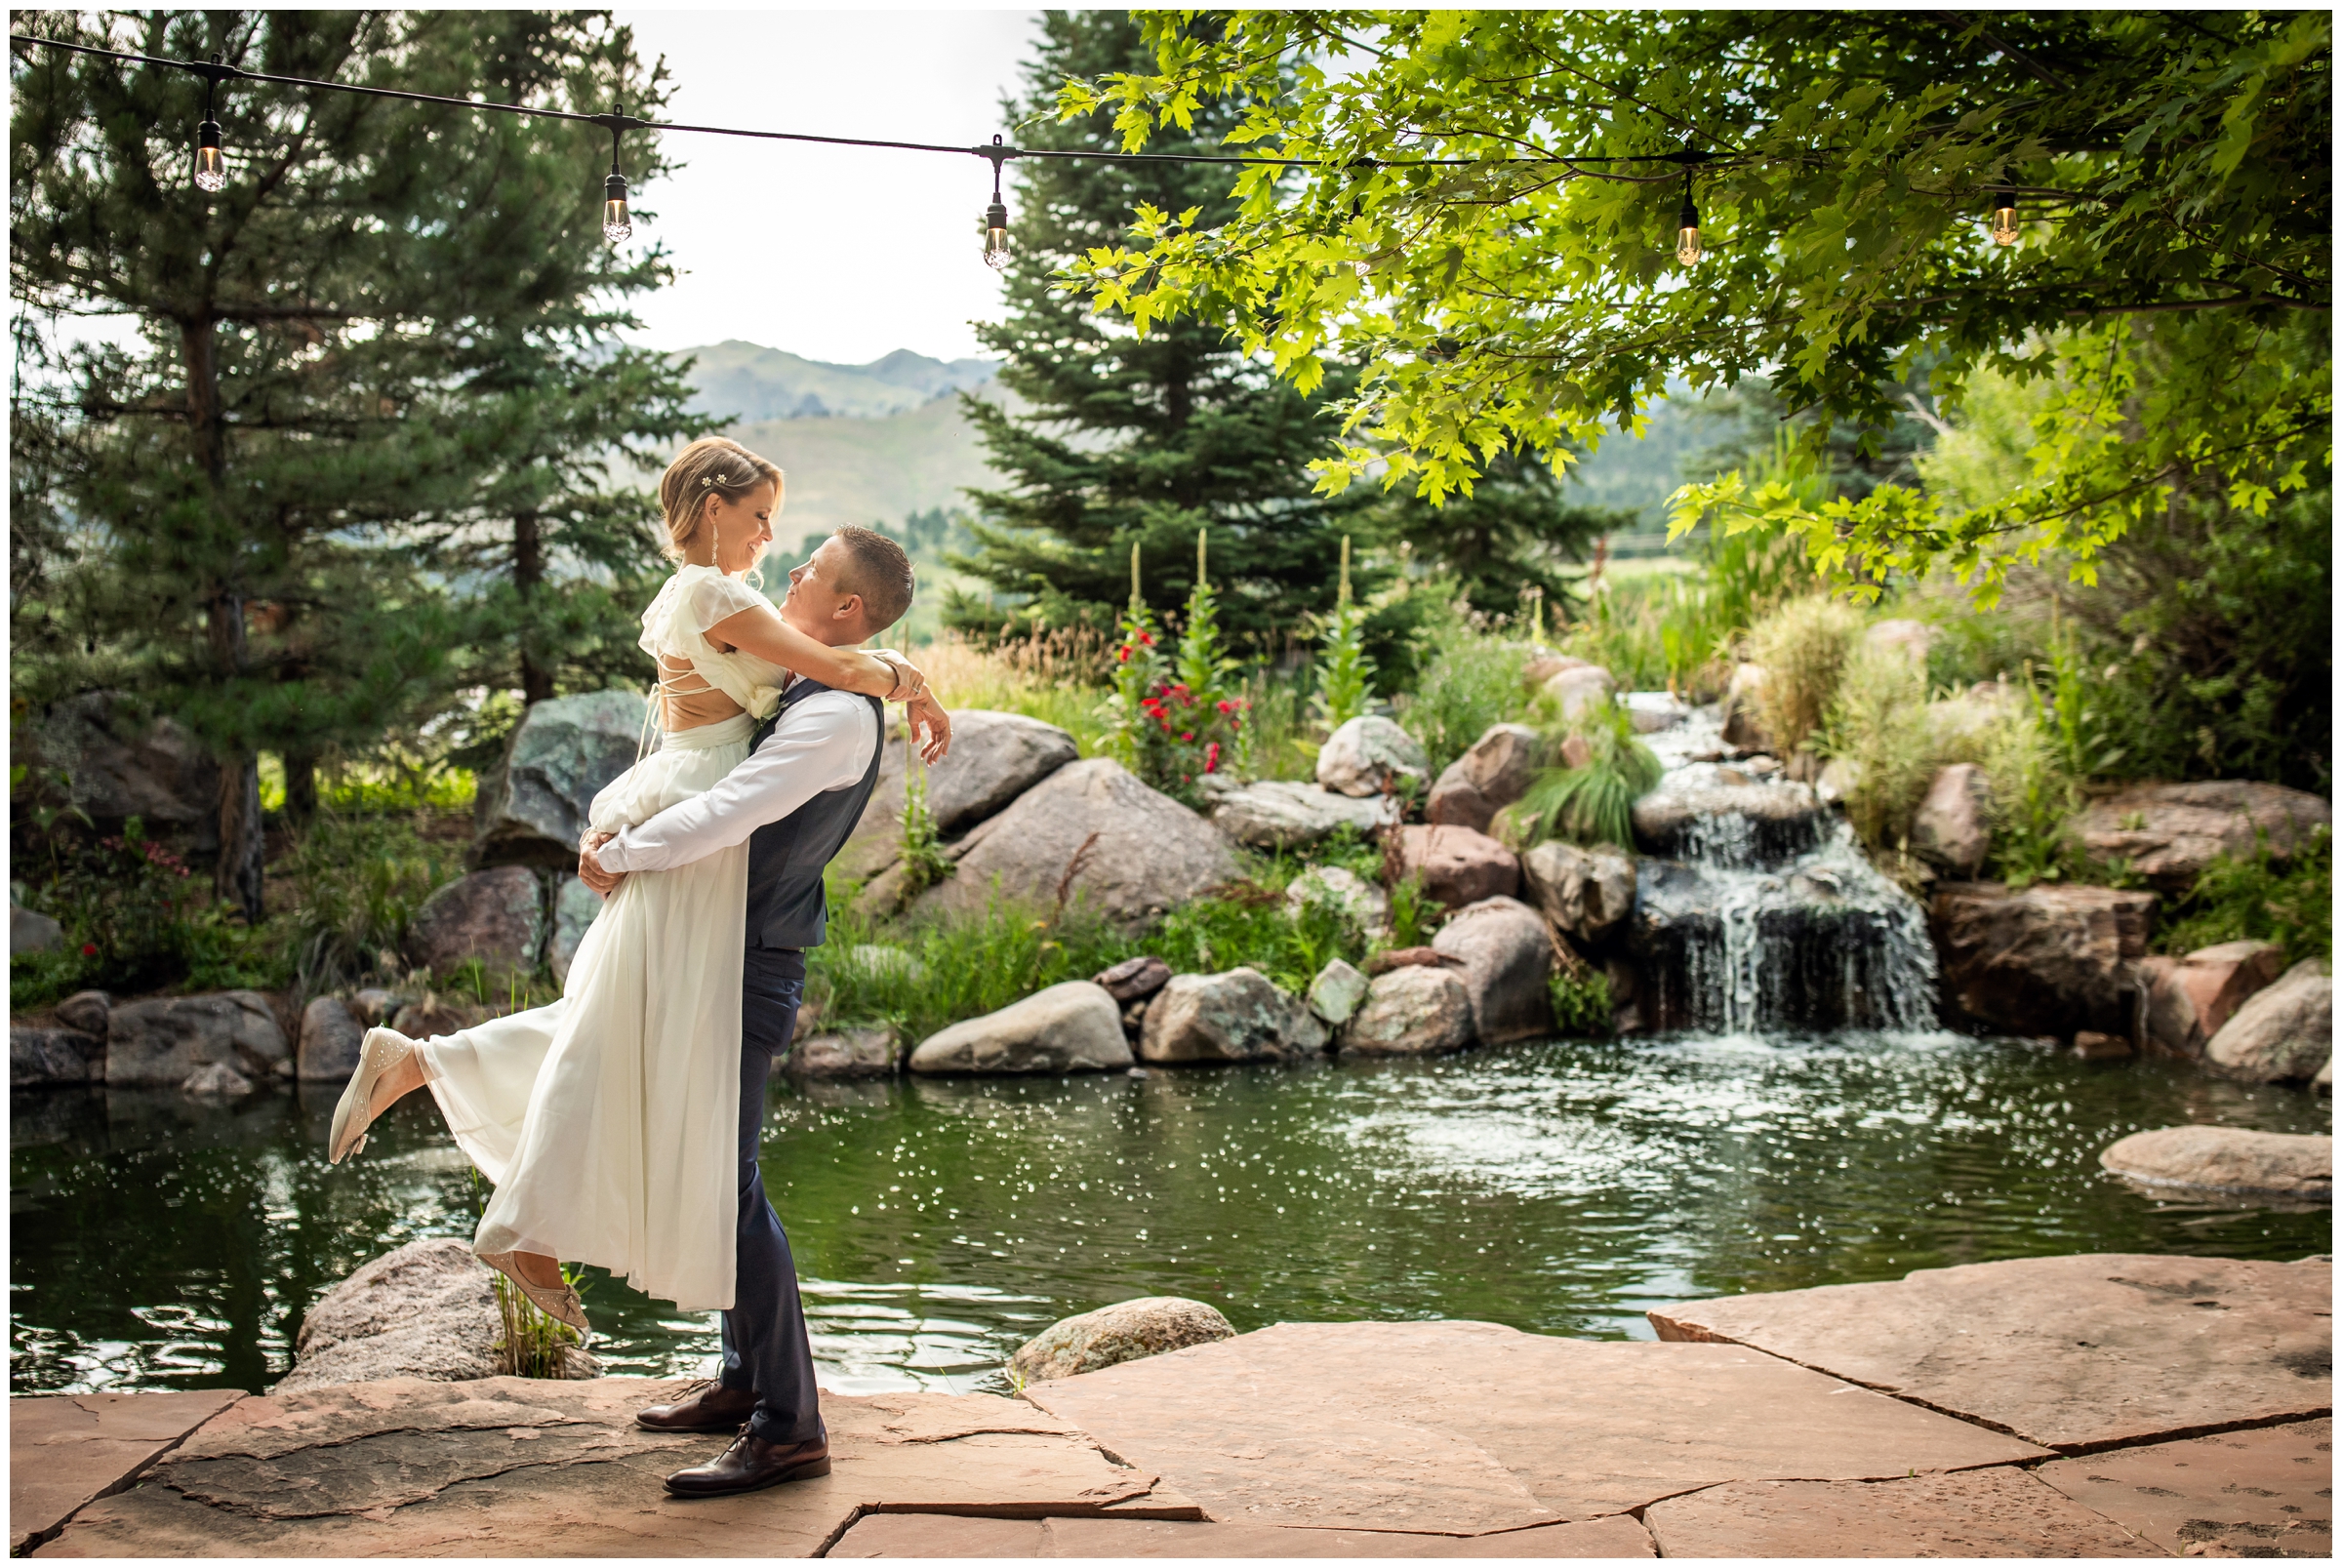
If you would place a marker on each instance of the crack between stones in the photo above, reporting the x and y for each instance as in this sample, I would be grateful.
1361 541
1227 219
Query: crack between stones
127 1481
267 1515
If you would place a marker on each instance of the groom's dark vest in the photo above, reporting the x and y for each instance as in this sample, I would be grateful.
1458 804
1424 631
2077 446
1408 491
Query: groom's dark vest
786 907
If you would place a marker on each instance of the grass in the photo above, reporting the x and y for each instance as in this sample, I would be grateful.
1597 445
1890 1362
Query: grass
1058 677
2289 903
1804 647
1591 804
1877 723
1470 680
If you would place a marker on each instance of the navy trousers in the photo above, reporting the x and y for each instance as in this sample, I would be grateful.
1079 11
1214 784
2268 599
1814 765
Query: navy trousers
765 1348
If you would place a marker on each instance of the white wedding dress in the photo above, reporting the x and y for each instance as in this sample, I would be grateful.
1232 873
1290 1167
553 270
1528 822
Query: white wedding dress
609 1121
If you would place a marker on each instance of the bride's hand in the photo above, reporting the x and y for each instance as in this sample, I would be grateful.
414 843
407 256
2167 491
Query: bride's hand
923 711
589 869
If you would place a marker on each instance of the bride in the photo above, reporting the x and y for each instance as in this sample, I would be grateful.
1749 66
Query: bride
607 1122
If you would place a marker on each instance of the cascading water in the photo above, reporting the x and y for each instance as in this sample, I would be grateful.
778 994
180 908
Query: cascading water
1757 909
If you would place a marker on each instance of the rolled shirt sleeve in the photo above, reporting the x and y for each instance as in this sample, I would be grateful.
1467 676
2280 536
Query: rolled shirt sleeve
821 744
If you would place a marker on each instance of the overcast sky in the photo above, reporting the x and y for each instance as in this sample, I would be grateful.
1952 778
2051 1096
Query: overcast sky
839 253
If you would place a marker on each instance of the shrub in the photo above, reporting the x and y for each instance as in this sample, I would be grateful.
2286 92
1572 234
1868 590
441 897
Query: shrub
1591 804
1470 680
2289 903
1249 926
2034 796
1804 647
357 881
960 968
1878 724
1581 1001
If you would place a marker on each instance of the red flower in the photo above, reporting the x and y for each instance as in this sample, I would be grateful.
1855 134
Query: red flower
89 949
1226 706
1123 654
1146 639
1190 735
1211 758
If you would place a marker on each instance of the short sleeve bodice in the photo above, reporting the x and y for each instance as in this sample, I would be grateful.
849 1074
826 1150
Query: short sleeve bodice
675 626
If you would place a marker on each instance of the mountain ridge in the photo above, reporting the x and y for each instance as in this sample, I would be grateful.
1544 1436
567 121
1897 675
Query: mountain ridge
752 383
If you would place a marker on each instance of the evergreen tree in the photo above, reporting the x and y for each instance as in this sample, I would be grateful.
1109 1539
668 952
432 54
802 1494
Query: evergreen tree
238 486
1129 438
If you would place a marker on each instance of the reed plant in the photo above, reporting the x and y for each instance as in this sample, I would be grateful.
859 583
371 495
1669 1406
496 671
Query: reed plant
1803 646
1878 724
1594 802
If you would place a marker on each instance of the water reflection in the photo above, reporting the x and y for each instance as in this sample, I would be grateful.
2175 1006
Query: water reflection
1560 1188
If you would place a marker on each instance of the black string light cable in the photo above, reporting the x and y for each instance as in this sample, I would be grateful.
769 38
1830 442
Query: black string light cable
211 170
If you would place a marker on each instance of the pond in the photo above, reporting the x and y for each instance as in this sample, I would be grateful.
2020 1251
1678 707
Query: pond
1559 1188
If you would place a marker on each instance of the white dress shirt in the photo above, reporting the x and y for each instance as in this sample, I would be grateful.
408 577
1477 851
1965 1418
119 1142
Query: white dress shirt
823 742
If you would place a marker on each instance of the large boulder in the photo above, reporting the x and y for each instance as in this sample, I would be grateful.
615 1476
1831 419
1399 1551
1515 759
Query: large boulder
427 1309
1506 958
574 906
1359 901
1091 832
1588 893
1279 813
1073 1027
2190 998
119 766
995 758
876 842
1494 772
1585 690
43 1056
164 1040
1417 1010
432 1016
864 1053
2049 960
1127 1331
2170 833
30 931
1458 866
1240 1016
497 917
531 808
1954 825
91 1012
2227 1160
1370 755
2283 1034
329 1040
1719 814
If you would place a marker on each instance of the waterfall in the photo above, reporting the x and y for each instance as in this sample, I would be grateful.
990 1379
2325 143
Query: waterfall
1757 909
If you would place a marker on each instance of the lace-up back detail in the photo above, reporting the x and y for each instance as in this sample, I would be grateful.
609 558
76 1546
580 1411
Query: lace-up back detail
700 684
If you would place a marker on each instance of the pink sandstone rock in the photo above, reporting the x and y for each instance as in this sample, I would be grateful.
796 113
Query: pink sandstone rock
1458 866
2045 960
509 1465
2170 833
2227 1160
2243 1494
67 1450
2189 998
1976 1513
1462 1428
2077 1353
932 1535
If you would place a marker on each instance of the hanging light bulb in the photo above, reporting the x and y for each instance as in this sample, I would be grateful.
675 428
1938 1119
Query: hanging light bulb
1687 227
995 218
2004 216
210 167
617 224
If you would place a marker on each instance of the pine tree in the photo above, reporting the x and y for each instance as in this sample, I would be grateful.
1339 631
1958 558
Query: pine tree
243 479
1134 439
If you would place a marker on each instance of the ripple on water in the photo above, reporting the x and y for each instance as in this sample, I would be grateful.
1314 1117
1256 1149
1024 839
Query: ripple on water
1560 1188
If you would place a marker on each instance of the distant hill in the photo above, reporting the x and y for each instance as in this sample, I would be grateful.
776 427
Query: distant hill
750 382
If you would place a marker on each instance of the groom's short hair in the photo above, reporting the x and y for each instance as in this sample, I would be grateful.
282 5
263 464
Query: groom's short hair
877 569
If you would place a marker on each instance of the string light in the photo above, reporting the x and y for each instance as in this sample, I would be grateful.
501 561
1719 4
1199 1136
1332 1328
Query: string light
995 217
211 165
618 226
1687 227
2004 216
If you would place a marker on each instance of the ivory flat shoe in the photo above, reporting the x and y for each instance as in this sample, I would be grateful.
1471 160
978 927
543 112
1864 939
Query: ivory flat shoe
382 1050
561 1306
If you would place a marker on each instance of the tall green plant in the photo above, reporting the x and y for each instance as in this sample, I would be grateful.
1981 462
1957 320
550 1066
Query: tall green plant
1594 802
1134 735
1345 673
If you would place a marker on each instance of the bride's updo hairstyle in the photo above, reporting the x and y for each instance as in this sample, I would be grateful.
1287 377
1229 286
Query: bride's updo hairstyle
708 466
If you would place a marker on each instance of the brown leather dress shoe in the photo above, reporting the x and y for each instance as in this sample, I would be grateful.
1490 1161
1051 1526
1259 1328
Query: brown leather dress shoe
706 1407
751 1464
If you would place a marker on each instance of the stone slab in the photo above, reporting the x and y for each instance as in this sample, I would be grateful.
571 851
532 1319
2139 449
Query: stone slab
68 1450
2240 1494
927 1535
514 1466
2077 1353
1995 1513
1473 1427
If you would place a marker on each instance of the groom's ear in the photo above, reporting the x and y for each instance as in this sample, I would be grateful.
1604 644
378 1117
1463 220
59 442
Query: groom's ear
849 608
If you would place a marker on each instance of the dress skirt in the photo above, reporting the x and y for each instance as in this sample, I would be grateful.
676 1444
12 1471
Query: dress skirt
609 1121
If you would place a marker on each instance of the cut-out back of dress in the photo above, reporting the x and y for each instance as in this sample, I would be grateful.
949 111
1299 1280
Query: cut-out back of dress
700 683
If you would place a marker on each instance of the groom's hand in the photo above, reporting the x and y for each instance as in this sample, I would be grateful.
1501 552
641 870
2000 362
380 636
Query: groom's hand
589 869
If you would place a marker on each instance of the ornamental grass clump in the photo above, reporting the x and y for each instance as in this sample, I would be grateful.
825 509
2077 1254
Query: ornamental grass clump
1593 803
1804 647
1878 724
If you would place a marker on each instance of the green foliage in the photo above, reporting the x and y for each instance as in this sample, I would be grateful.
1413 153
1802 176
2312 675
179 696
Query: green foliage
1581 1003
358 881
1413 916
1844 171
958 968
1470 679
1594 803
533 1342
1804 647
923 860
1877 723
1345 673
2288 901
2034 796
1249 926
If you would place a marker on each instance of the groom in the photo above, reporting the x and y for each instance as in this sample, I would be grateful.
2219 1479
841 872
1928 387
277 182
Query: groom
795 798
